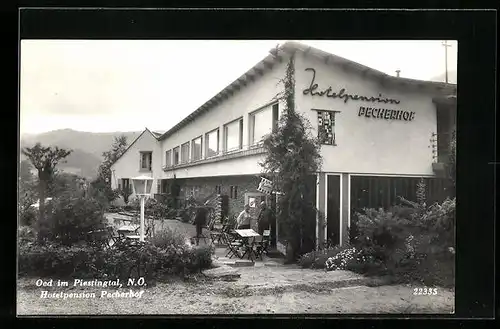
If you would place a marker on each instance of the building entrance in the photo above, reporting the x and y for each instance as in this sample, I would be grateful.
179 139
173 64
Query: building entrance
333 209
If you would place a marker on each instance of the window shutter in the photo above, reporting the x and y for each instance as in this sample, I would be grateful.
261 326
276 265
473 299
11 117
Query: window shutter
150 160
241 133
218 139
140 160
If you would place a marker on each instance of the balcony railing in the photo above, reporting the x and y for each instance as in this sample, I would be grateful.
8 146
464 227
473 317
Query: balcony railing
222 155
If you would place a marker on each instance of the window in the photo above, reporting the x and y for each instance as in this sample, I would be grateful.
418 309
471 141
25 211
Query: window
276 116
146 159
196 148
212 143
262 122
233 192
185 153
233 135
326 127
177 155
168 158
125 184
218 189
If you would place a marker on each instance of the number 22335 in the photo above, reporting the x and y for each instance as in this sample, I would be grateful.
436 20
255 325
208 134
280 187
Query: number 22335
424 291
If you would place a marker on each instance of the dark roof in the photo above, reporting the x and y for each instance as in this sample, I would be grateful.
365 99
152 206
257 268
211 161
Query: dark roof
154 134
290 47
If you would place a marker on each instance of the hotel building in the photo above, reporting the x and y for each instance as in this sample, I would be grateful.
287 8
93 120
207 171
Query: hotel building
380 135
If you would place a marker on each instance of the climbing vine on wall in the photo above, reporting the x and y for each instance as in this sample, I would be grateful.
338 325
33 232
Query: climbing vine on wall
292 160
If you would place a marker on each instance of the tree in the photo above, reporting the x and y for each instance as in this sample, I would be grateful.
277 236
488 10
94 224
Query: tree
125 193
64 183
118 147
293 158
45 160
101 187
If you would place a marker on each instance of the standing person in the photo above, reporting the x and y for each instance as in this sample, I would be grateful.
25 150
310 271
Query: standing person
200 220
264 218
243 220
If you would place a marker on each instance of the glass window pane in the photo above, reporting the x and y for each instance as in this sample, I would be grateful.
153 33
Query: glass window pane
233 136
196 149
176 156
262 124
212 143
168 158
185 153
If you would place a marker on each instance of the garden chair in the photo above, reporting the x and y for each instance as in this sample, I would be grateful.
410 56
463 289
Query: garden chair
262 243
216 235
232 245
113 236
216 232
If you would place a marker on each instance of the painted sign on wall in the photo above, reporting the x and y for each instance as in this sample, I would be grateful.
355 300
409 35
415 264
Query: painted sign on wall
314 90
386 114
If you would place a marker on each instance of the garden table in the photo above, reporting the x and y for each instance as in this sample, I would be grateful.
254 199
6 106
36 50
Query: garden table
128 229
246 235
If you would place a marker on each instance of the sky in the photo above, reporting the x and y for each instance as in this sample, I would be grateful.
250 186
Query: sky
127 85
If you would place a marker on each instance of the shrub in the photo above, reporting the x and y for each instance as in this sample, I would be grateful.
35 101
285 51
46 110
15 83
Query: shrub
73 218
26 235
27 215
344 259
412 243
317 258
123 261
134 204
115 209
167 237
51 259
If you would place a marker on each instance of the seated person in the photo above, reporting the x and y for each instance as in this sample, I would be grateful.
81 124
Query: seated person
244 218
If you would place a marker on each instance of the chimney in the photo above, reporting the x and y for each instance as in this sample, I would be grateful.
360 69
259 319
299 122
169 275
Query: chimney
397 73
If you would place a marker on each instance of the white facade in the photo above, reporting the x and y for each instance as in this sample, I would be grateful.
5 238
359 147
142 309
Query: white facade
128 165
363 145
261 92
368 145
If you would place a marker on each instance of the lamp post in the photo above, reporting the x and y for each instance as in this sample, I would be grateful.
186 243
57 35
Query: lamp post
142 187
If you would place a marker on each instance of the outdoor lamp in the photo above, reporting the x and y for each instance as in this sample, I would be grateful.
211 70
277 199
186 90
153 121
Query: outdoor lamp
142 187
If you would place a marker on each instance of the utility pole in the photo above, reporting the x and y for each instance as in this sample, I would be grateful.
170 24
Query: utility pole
446 45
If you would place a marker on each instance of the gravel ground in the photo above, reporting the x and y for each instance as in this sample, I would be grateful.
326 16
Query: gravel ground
203 296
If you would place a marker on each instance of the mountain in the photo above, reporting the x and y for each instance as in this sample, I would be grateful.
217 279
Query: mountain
87 147
93 143
452 77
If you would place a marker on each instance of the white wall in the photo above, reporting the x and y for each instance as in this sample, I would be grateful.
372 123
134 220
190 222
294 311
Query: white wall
128 165
232 167
255 95
368 145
